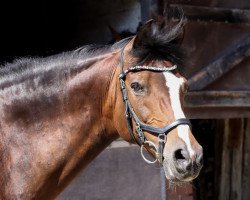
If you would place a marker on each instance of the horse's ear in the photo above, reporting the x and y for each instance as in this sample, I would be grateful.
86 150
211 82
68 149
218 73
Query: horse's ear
142 37
159 29
160 38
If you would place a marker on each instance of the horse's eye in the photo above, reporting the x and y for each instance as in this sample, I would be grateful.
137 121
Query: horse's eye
136 87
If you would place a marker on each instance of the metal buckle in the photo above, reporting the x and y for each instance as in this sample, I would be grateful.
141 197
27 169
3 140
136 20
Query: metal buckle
162 137
140 133
161 142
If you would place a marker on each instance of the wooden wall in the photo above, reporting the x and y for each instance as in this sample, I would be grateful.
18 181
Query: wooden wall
233 161
226 171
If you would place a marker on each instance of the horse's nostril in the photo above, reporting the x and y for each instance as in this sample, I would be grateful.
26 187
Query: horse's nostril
180 154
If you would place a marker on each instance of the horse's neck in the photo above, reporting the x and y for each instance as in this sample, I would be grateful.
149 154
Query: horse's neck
96 131
59 147
91 131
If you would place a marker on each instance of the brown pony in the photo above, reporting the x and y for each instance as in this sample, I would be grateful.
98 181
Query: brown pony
58 113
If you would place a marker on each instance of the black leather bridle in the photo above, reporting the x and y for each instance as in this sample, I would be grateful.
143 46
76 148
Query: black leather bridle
131 115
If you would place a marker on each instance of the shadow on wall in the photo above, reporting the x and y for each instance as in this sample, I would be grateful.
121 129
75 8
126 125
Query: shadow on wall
117 173
43 28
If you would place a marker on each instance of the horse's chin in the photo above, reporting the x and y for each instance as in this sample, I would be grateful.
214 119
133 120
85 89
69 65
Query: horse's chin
174 177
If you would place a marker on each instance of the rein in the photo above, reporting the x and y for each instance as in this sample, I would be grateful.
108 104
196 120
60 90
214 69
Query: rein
130 114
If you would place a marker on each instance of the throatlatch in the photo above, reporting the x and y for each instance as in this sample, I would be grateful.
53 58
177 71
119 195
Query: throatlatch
161 133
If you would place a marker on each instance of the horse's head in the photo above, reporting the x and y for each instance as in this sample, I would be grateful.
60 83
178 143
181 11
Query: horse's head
153 92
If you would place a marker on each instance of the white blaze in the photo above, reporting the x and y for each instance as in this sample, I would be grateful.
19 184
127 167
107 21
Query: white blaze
174 84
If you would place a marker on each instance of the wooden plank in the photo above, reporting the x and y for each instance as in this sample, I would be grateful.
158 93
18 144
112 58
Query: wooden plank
236 128
229 157
230 186
215 14
220 66
217 113
217 104
246 163
217 99
219 139
224 189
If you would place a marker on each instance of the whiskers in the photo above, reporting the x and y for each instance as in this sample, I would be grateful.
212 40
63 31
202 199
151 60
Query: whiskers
172 186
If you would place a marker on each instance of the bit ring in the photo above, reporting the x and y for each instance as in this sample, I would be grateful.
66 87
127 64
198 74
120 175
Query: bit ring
144 158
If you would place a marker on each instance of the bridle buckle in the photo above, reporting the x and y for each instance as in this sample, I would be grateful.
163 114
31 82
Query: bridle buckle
140 133
162 138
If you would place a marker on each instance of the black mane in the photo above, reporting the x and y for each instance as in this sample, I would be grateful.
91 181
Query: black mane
64 63
30 87
160 40
62 60
155 40
33 88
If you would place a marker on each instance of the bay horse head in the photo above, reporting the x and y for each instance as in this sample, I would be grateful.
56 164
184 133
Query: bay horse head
152 93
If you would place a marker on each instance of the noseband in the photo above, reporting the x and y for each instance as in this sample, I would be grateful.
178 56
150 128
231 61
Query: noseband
161 133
